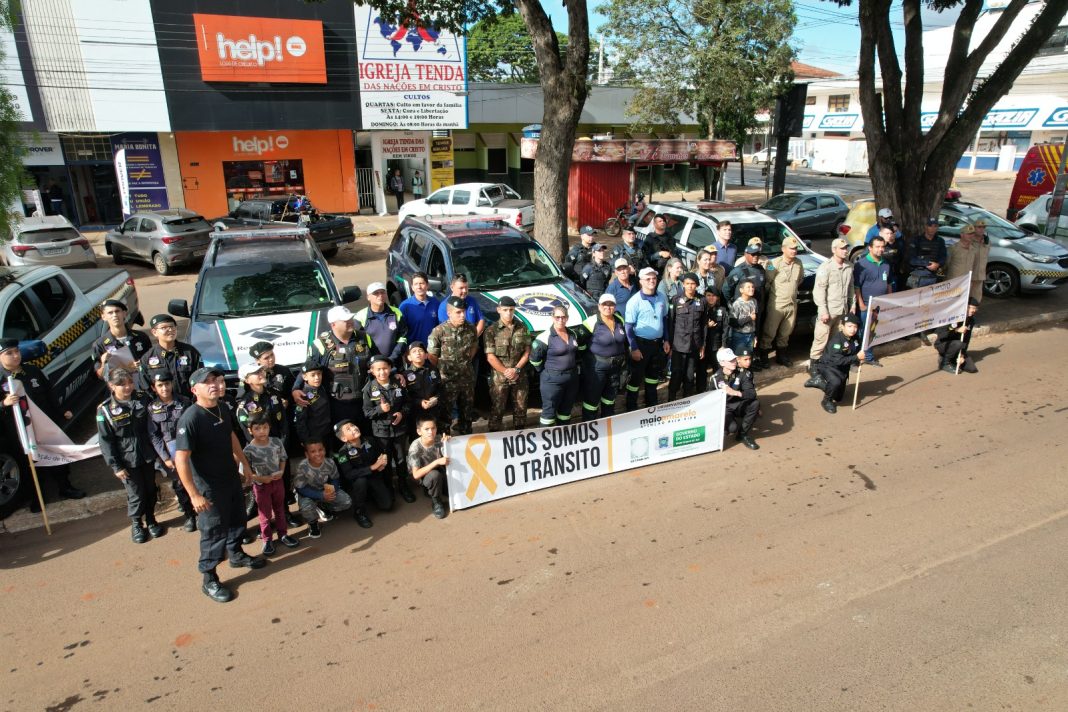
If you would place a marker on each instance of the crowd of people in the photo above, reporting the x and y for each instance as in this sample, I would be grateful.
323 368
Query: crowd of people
367 414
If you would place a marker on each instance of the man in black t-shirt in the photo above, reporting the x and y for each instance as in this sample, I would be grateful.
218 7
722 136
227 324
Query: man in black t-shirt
213 481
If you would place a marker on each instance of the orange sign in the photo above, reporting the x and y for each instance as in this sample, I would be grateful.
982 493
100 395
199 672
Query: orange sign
260 49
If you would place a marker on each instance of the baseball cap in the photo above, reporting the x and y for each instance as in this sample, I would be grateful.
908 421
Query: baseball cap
646 271
711 289
586 230
851 319
725 354
981 222
248 369
597 247
710 248
379 357
506 302
744 352
310 366
973 302
340 313
839 242
457 303
161 319
752 249
162 376
622 262
375 287
967 230
202 374
9 343
886 213
932 221
606 299
417 345
790 241
260 348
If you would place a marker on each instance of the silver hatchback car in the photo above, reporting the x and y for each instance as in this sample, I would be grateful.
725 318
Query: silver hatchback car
47 240
165 239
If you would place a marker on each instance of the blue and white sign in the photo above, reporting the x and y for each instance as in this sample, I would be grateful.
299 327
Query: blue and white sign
1008 118
838 122
1058 118
807 122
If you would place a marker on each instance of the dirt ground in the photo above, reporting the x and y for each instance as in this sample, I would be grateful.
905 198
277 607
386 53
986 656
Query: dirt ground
908 555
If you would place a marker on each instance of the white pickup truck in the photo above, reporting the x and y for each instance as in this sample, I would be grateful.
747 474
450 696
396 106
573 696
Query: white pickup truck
55 315
473 199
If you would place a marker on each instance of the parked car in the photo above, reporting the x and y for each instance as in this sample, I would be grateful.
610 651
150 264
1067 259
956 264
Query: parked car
1018 260
766 156
260 284
1035 215
809 212
55 315
695 225
166 239
498 259
329 231
473 199
47 240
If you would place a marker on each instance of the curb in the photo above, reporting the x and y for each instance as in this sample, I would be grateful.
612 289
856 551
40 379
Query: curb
73 509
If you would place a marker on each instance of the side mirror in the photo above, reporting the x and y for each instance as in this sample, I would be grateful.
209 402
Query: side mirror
350 294
121 229
178 307
435 284
32 349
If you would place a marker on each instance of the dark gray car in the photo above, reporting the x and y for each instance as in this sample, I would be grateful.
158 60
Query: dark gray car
809 213
165 239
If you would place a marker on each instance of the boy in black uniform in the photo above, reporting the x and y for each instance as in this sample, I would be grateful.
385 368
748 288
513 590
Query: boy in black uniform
832 370
312 422
207 458
163 415
716 320
687 326
742 404
953 341
362 465
423 384
170 355
278 379
122 425
36 387
385 404
117 342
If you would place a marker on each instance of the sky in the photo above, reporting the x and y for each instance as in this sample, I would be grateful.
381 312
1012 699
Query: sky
826 35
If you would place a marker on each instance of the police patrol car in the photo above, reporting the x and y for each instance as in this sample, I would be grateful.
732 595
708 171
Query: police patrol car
497 259
260 284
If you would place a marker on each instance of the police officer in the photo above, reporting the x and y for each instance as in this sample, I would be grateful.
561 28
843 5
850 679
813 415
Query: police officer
645 323
122 426
659 245
163 414
597 273
451 348
785 274
686 327
207 456
344 352
750 269
117 341
579 255
507 348
279 378
385 324
742 404
35 387
926 256
555 354
170 355
630 250
832 370
602 361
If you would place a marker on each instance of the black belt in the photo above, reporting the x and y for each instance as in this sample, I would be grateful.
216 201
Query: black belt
614 360
649 341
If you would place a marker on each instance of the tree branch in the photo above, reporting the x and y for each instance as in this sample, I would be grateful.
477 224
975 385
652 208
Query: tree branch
914 69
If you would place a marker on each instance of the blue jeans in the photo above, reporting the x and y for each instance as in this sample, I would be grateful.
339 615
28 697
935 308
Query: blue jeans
741 341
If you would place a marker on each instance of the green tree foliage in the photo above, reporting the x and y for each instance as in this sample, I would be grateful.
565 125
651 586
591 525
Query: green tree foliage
11 147
499 49
720 61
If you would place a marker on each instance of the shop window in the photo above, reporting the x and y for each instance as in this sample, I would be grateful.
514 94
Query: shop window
88 147
1056 44
497 159
838 103
810 101
253 179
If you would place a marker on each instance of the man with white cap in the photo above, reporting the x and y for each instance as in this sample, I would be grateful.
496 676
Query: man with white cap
834 297
884 218
743 407
645 321
385 324
623 286
344 352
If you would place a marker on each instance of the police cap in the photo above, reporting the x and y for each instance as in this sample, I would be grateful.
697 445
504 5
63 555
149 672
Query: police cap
202 374
506 302
161 319
851 319
457 303
309 366
260 348
8 343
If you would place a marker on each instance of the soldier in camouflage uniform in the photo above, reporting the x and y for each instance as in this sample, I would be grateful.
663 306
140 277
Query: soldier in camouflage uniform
451 347
507 347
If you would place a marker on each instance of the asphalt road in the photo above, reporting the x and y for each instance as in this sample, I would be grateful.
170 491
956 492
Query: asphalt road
908 555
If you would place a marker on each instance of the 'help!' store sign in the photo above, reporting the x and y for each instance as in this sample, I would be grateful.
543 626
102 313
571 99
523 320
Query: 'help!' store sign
260 49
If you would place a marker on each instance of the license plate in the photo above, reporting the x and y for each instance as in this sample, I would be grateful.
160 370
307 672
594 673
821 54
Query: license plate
199 253
53 250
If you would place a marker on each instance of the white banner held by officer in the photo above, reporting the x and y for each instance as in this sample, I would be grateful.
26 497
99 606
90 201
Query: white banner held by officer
490 466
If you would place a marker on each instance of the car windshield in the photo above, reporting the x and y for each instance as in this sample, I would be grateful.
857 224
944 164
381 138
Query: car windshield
55 234
187 224
498 266
996 228
252 289
783 201
771 234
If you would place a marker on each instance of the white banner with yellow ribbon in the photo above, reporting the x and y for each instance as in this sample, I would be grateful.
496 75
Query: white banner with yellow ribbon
491 466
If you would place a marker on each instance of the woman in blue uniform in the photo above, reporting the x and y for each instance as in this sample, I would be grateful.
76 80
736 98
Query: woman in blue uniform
602 361
555 354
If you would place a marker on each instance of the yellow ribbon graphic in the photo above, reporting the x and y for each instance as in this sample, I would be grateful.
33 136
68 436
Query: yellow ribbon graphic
478 466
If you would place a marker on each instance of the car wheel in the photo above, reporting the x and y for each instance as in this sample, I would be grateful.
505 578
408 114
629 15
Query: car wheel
160 263
856 254
755 160
13 484
116 256
804 163
834 228
330 253
1001 281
